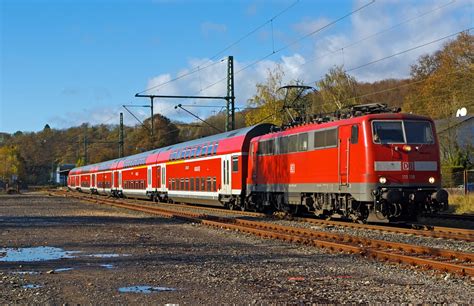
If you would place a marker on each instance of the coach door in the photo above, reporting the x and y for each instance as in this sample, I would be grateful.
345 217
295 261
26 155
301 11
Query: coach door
344 153
226 177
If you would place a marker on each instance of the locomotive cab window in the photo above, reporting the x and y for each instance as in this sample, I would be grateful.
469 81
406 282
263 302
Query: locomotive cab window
418 132
407 131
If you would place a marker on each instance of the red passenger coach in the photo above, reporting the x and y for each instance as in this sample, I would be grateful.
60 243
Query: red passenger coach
210 170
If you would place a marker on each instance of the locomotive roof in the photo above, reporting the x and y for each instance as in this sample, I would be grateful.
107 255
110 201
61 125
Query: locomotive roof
233 139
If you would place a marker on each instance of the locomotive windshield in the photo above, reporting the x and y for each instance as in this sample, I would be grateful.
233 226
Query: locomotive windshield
412 132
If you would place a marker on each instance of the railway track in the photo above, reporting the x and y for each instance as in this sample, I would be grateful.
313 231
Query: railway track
425 257
425 231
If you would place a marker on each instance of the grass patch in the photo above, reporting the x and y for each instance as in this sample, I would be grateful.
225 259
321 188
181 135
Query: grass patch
462 204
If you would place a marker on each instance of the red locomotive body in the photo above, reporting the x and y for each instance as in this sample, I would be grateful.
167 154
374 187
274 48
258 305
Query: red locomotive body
379 166
382 167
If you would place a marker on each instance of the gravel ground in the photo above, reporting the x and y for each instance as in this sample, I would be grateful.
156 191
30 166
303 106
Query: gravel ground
204 265
461 246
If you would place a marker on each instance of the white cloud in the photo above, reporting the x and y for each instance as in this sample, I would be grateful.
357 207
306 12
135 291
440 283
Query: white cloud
352 45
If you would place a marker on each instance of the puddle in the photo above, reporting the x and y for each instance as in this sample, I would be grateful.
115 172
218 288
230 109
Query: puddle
107 255
144 289
31 286
107 266
63 269
35 254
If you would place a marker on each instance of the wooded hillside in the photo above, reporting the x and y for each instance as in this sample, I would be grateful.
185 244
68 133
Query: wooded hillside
439 84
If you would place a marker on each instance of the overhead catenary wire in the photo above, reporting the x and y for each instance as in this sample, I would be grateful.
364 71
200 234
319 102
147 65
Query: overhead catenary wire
216 55
352 44
294 42
398 53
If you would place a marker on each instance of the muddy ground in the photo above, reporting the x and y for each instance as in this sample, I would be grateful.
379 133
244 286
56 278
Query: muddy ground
107 249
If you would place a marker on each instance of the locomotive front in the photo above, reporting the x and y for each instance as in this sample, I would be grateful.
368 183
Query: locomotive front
406 167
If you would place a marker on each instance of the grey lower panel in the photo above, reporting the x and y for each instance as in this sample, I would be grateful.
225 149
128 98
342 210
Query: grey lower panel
360 191
195 199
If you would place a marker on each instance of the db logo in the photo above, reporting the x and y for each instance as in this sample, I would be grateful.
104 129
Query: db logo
408 166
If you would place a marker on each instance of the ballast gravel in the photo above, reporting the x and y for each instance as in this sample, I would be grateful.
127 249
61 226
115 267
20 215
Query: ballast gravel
204 265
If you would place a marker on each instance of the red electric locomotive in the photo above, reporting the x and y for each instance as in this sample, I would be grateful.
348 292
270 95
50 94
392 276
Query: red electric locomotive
371 166
375 167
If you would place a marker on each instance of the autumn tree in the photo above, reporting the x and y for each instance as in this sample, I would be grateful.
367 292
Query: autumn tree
267 104
337 90
444 80
10 163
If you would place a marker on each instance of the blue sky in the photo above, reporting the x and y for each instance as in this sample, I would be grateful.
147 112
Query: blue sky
69 62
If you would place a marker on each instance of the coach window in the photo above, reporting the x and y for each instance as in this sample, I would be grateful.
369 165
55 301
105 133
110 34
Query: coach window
203 151
293 143
215 148
303 142
235 164
214 184
182 184
187 184
203 184
355 134
209 184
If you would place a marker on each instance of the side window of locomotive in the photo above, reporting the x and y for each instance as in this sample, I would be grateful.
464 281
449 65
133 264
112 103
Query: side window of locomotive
388 132
292 143
270 147
235 164
325 139
354 134
418 132
303 142
283 143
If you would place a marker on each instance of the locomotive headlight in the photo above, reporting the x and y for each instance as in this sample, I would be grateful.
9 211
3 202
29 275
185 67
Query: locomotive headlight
382 180
406 148
431 180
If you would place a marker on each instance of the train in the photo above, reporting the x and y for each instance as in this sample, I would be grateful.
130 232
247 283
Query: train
368 165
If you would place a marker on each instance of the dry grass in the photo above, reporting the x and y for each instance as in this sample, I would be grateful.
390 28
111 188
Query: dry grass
462 204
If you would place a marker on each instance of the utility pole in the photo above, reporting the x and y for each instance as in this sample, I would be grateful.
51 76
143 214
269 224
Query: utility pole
85 145
152 131
230 98
230 106
121 136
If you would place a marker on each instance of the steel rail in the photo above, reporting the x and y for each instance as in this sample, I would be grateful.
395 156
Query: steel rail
430 258
430 231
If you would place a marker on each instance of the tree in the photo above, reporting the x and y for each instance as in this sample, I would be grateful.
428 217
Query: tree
10 162
267 104
337 90
445 80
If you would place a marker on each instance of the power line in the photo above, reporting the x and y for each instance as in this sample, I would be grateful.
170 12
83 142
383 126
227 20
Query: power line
377 33
400 52
256 29
199 68
294 42
194 70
